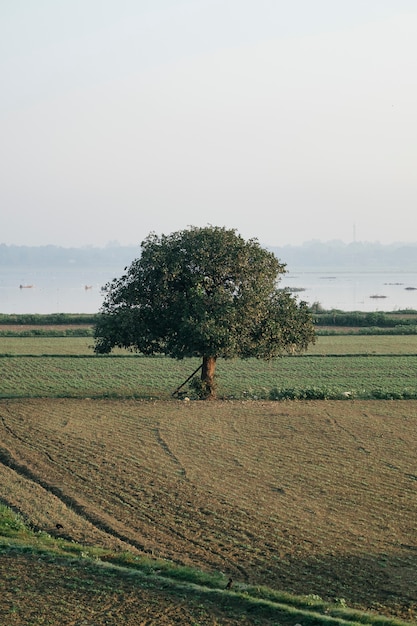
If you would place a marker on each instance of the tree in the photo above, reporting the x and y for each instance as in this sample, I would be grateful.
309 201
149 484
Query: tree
203 292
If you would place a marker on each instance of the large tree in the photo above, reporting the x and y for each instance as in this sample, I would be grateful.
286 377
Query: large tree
203 292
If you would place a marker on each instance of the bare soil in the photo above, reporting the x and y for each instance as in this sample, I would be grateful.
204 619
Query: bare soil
34 591
307 497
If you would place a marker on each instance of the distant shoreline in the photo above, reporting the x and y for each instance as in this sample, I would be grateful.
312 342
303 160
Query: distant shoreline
311 256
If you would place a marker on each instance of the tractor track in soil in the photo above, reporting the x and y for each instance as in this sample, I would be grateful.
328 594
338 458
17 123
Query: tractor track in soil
129 542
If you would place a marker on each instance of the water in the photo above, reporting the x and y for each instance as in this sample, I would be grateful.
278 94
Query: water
64 291
53 291
355 291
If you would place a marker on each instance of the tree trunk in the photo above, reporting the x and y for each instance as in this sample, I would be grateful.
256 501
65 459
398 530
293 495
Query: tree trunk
207 376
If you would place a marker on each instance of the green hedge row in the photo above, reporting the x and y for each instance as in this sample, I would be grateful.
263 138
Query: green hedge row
372 330
362 319
52 319
396 323
48 332
326 393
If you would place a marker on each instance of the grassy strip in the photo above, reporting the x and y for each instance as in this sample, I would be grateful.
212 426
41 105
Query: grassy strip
325 345
16 537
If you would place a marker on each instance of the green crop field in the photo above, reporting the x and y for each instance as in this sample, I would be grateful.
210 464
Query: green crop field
135 507
332 344
380 376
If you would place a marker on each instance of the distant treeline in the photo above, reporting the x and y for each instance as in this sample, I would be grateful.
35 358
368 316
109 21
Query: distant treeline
359 318
326 322
355 256
71 258
321 318
50 319
320 255
47 325
396 323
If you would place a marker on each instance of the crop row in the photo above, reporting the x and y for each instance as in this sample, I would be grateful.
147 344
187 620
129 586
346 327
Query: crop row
325 345
158 377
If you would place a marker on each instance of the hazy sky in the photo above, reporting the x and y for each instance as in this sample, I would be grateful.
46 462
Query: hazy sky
289 120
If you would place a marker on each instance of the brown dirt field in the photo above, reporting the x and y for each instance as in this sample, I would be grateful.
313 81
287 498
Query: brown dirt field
307 497
35 591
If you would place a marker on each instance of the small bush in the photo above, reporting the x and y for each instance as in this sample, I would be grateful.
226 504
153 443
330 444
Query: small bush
310 393
317 393
198 388
383 394
284 394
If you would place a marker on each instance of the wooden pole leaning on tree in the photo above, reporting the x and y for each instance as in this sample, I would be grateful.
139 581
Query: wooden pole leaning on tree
186 381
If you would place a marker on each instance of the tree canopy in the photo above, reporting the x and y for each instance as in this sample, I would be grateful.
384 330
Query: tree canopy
203 292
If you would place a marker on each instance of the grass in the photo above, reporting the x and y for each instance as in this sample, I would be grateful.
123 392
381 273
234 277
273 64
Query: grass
325 345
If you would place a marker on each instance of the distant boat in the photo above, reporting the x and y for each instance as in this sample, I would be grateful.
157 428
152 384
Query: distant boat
88 287
377 296
25 286
410 288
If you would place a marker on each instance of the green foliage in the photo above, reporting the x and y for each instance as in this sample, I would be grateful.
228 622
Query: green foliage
381 393
395 331
199 388
314 393
11 524
366 320
308 393
53 319
48 332
203 292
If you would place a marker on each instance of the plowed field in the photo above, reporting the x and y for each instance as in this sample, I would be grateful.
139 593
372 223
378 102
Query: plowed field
35 591
312 498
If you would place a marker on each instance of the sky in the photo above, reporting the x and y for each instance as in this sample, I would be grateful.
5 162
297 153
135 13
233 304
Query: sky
287 120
